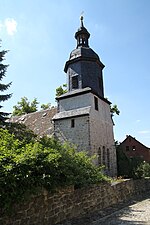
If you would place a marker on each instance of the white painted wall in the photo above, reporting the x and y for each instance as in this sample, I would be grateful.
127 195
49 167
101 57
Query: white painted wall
74 102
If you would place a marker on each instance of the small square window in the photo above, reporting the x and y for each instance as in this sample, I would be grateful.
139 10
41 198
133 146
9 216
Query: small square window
72 123
96 103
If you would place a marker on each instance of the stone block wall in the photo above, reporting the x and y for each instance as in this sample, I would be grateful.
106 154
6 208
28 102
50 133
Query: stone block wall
77 135
52 208
102 137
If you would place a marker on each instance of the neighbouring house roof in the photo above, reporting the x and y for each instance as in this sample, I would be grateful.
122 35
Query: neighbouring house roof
135 149
39 122
133 138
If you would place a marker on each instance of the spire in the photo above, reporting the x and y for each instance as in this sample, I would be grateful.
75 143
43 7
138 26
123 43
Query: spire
82 35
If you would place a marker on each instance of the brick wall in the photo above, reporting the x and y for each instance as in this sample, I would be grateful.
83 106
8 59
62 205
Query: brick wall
51 208
133 148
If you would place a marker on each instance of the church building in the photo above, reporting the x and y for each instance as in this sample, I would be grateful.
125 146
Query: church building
83 115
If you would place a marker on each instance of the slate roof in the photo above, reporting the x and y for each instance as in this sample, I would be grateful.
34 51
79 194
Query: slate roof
39 122
72 113
84 52
74 93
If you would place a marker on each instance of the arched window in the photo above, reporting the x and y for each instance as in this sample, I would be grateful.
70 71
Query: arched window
99 156
103 155
108 159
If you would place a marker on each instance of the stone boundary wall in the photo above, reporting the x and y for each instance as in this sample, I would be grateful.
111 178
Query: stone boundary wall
50 208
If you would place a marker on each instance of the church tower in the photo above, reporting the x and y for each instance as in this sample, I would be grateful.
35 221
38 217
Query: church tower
84 68
83 116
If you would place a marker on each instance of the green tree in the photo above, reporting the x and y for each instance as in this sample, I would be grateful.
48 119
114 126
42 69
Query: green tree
114 110
127 167
3 87
24 106
46 106
123 163
61 90
21 132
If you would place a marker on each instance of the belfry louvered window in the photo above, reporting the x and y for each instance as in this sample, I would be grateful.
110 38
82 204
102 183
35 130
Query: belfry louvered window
75 82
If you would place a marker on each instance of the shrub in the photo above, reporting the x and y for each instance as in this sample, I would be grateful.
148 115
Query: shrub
26 167
143 170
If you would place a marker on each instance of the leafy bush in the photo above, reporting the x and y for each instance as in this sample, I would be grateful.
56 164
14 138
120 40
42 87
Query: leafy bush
25 167
143 170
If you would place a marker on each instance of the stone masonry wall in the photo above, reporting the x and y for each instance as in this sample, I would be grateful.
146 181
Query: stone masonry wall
77 135
52 208
102 137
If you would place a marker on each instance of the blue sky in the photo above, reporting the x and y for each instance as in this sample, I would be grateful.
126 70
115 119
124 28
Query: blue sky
40 37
